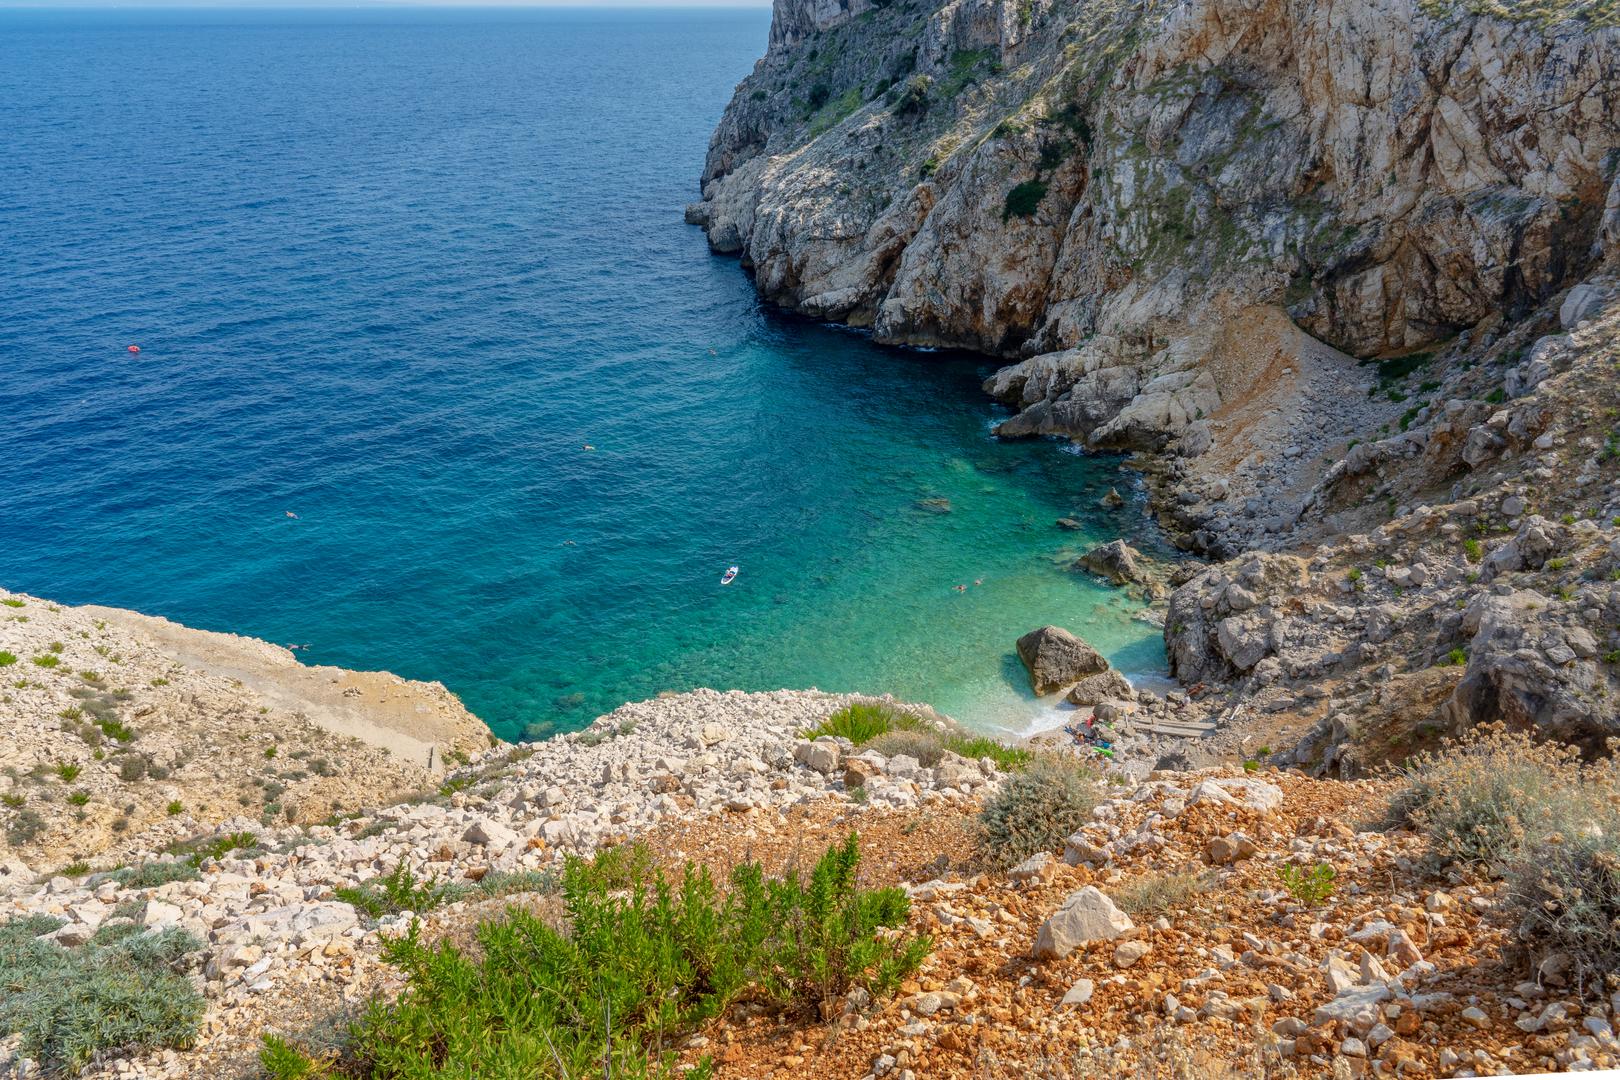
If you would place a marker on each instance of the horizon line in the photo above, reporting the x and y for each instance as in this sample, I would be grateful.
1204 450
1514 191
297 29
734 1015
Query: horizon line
377 5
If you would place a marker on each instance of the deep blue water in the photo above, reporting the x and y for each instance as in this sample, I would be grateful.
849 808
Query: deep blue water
392 271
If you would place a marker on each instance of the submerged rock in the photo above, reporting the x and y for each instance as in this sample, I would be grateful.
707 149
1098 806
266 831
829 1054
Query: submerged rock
1116 561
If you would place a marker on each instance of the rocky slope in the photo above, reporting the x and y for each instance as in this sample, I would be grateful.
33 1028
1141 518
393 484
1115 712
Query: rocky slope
281 951
123 732
1341 277
1161 938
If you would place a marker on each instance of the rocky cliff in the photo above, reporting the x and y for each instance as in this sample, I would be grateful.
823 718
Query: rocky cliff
1337 273
1028 178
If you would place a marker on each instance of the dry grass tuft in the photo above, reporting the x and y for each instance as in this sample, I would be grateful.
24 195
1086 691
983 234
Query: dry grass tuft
1158 893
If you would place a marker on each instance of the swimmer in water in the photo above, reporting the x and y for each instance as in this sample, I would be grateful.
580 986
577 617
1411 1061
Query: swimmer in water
289 513
978 581
959 588
588 446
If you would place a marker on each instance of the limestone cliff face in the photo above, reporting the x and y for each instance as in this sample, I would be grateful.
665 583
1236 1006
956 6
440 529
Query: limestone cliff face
1120 196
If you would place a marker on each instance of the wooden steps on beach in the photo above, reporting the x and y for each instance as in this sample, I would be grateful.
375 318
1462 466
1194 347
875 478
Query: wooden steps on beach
1179 729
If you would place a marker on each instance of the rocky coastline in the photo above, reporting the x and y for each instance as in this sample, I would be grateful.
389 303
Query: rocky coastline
1344 280
1342 286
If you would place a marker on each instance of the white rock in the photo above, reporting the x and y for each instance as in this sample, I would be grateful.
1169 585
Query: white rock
1088 915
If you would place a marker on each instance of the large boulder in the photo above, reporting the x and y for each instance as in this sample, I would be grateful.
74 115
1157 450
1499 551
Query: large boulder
1056 658
1115 561
1107 685
1088 915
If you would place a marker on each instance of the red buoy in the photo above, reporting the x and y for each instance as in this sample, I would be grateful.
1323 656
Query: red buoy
134 348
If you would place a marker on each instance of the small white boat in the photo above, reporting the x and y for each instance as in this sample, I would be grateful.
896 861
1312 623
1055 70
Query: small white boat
730 574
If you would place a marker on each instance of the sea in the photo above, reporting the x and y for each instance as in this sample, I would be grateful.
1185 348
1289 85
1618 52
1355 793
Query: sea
433 378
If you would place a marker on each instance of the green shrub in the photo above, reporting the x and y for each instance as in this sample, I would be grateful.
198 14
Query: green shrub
115 730
1473 550
78 798
1481 800
1037 809
200 849
891 731
281 1060
913 100
47 661
863 721
1024 200
11 602
121 989
67 773
1310 887
151 875
640 968
7 659
399 890
979 746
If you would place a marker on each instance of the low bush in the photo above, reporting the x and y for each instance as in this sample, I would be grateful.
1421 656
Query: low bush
1023 200
979 746
399 890
641 966
1481 800
1038 808
199 849
926 746
281 1060
151 875
122 989
891 731
913 99
1566 893
1310 887
517 881
863 721
1547 822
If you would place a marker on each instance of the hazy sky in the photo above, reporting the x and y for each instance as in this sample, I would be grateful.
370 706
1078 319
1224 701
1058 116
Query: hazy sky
339 4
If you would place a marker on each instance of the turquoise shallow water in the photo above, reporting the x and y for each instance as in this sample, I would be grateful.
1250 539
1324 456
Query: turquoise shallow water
391 271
